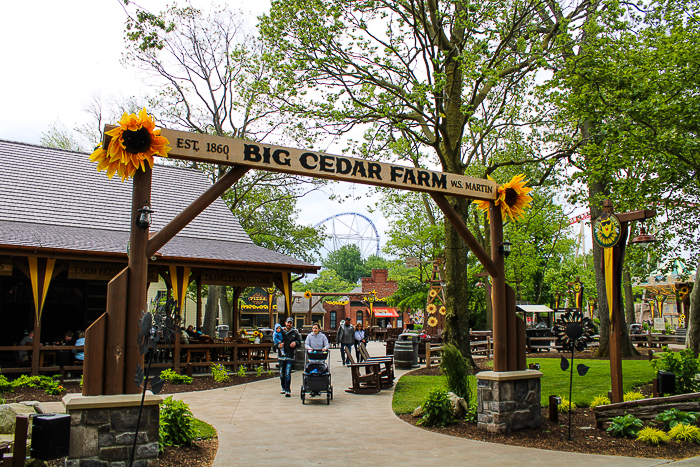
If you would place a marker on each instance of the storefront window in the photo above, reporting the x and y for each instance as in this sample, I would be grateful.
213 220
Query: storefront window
334 319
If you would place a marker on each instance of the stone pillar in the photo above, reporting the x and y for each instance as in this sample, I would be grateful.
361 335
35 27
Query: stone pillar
508 400
103 428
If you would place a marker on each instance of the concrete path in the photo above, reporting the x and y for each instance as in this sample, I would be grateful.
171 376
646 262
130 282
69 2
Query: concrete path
259 427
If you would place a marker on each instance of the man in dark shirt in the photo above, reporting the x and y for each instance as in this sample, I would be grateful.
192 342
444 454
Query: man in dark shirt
290 341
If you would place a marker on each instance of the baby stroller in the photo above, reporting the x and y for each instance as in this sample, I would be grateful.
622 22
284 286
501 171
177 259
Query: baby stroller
317 376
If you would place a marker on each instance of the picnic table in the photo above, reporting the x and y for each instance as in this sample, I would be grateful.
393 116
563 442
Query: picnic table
46 353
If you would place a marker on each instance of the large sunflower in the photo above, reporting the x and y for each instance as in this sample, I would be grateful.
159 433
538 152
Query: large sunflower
433 293
512 197
573 330
431 309
443 310
134 141
307 295
432 321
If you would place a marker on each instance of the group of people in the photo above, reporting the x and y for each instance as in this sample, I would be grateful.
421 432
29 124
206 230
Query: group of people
287 340
349 336
77 340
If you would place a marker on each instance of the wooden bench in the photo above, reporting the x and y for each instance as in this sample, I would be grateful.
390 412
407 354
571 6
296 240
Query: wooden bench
542 343
433 354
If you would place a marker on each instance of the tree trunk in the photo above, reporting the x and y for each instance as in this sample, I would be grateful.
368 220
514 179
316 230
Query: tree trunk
226 314
694 323
629 296
457 322
211 310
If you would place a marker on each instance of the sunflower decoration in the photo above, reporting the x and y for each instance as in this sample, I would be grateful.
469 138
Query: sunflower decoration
432 309
433 293
443 310
573 331
512 197
432 321
307 295
683 291
134 141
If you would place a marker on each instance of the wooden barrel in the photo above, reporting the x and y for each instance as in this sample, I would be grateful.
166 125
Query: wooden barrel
403 355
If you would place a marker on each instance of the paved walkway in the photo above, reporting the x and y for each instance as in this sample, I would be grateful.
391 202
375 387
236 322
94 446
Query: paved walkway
259 427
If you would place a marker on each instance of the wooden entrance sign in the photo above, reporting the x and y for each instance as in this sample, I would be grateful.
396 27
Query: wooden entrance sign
244 155
229 151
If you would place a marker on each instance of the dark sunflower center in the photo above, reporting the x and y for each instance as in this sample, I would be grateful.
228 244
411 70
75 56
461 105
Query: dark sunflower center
511 196
574 330
137 141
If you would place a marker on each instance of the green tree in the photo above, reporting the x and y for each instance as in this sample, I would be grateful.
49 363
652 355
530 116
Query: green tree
209 70
58 136
631 90
346 262
449 77
327 280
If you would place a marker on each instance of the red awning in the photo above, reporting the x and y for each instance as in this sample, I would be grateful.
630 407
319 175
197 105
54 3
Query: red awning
385 312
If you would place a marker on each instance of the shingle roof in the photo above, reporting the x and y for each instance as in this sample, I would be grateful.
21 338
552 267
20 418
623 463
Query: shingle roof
53 198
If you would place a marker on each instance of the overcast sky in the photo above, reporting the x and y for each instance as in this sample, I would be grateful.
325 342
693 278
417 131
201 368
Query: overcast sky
57 55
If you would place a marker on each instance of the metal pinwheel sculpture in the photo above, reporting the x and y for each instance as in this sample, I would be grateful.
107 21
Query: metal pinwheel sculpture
159 326
573 332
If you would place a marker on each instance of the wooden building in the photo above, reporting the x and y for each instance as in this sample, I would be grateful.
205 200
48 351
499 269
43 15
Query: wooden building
59 216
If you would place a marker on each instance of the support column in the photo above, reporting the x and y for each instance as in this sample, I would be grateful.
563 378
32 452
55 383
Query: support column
138 277
498 292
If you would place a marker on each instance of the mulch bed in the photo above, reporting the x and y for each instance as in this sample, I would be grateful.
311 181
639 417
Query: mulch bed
199 383
585 438
555 437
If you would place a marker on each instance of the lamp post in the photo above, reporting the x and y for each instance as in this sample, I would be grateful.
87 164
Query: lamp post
610 232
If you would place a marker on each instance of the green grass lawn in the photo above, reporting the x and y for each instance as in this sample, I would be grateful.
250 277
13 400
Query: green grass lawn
411 390
203 430
596 382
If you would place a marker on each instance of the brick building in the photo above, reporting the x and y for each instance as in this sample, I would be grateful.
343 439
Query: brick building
357 309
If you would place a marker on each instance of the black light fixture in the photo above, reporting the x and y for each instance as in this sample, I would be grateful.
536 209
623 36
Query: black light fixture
144 220
643 239
504 249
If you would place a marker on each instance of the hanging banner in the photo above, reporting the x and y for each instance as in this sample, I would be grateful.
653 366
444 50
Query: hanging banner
179 280
40 273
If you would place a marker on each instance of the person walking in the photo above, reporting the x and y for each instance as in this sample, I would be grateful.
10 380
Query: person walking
346 338
360 338
290 341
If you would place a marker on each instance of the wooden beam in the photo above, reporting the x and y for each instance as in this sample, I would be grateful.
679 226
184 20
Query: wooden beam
466 235
115 338
193 210
94 363
636 215
137 295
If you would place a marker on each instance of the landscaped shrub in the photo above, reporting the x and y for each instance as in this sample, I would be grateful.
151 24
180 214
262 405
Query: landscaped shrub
220 373
5 385
259 371
652 436
173 377
684 365
683 432
240 373
673 417
632 396
437 409
564 406
457 372
176 423
628 426
49 384
599 400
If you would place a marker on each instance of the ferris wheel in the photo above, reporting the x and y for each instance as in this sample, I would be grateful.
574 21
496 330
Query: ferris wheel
351 228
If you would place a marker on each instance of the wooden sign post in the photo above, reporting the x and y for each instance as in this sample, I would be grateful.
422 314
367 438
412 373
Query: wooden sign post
610 232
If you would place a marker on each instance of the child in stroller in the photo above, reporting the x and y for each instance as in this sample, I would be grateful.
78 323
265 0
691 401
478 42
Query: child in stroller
317 377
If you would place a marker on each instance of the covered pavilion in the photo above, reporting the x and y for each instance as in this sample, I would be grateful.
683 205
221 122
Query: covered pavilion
64 234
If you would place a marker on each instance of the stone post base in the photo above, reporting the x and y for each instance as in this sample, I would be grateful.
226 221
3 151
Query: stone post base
103 427
508 400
